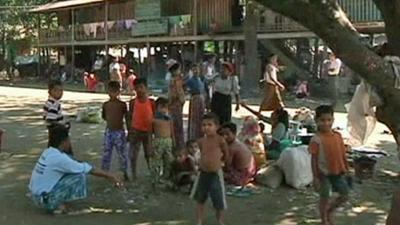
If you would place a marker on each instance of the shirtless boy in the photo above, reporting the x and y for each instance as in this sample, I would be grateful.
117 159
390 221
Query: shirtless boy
210 181
243 167
162 158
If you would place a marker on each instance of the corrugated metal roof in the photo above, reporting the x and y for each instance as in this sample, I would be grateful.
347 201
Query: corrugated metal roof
53 6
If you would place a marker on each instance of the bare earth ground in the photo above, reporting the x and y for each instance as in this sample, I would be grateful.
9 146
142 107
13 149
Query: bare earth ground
20 116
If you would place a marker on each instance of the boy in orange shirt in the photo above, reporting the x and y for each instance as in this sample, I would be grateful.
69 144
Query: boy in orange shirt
140 123
329 164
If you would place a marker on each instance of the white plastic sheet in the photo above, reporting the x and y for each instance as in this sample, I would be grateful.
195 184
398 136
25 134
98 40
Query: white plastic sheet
361 116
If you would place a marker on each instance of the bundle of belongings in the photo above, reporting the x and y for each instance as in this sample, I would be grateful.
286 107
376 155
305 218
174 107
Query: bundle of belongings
89 114
293 167
305 116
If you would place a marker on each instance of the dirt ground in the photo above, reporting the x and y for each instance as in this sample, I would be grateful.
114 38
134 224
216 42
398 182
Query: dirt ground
25 138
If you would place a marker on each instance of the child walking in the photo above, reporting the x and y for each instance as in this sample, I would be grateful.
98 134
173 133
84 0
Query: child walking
162 158
114 111
329 164
210 181
140 123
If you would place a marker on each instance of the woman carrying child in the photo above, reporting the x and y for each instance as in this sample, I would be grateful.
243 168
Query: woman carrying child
176 96
197 104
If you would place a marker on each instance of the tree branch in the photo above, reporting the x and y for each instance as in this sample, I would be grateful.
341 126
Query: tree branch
330 23
390 12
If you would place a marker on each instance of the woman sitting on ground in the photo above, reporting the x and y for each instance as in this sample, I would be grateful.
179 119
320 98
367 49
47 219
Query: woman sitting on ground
280 126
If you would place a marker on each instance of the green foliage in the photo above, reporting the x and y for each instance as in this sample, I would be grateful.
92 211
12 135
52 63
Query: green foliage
15 20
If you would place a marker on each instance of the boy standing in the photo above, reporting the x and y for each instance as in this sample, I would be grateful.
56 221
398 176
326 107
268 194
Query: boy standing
114 111
329 164
52 107
210 181
162 158
140 123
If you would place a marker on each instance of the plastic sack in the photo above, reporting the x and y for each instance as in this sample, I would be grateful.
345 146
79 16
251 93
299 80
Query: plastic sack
361 116
295 163
271 176
91 114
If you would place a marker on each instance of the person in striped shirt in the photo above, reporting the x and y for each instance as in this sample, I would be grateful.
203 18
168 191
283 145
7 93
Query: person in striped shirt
52 108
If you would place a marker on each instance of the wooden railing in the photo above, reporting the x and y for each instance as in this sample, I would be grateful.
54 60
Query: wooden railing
61 35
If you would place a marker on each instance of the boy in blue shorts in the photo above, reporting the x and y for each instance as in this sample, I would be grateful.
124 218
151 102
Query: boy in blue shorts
329 164
210 181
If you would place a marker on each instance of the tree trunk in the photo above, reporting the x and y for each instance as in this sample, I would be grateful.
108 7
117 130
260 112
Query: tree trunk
252 69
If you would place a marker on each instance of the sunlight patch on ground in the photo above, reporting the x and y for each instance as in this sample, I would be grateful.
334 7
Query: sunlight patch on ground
162 223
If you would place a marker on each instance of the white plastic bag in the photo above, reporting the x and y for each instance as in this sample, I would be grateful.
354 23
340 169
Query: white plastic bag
296 166
90 114
361 116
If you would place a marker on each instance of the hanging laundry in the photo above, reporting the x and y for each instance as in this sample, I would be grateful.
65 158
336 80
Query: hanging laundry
86 29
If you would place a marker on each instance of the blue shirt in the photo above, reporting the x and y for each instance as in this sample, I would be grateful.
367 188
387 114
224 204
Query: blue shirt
52 165
195 85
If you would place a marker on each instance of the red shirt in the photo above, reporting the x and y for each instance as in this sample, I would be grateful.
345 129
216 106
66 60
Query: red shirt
143 114
91 83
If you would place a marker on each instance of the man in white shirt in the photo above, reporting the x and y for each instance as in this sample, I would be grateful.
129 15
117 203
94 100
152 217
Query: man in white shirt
57 178
334 66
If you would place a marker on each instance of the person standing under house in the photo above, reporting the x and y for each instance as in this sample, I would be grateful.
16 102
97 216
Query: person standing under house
114 112
140 124
197 104
208 73
334 66
176 97
115 71
130 80
224 86
272 98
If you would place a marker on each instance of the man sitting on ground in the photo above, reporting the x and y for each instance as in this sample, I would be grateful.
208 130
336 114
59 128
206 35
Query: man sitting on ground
57 178
243 167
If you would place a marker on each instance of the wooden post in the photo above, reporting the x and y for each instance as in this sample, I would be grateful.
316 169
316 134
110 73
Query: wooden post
38 48
73 43
148 64
195 29
106 28
73 25
252 69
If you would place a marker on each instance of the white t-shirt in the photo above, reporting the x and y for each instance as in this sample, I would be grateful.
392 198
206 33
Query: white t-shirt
114 66
52 165
271 74
227 86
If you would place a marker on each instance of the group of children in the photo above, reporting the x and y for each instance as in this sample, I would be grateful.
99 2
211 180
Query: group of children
150 126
